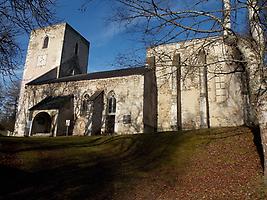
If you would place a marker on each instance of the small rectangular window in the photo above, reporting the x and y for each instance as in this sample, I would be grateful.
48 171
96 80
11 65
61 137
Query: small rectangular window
76 49
45 43
126 119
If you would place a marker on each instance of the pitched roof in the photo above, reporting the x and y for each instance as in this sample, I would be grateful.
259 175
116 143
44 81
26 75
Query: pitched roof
51 103
52 74
96 75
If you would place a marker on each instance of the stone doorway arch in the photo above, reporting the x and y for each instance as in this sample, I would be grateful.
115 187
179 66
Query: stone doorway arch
41 124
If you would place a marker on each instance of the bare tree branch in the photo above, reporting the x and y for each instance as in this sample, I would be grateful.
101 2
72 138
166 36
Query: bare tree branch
16 18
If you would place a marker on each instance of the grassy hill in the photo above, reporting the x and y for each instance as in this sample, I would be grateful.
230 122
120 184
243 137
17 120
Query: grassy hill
202 164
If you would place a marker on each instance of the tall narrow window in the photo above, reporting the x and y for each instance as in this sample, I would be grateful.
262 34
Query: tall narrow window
85 107
220 88
111 105
45 44
111 113
76 49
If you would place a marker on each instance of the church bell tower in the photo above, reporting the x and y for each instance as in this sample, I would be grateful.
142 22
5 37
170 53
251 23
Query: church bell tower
59 48
53 52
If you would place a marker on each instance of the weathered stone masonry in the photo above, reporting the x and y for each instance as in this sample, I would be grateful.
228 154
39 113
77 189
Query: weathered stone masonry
185 85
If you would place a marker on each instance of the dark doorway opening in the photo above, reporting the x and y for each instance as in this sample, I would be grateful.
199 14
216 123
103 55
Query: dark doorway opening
41 123
97 110
110 124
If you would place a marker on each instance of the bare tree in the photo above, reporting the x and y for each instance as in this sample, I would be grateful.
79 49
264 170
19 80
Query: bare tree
165 21
160 22
9 104
16 18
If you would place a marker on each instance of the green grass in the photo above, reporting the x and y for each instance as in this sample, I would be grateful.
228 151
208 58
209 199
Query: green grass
3 133
105 167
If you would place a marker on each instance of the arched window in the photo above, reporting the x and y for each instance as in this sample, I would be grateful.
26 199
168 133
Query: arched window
111 105
76 49
85 105
45 44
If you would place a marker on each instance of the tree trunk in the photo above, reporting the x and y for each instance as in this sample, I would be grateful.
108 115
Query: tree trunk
257 34
227 17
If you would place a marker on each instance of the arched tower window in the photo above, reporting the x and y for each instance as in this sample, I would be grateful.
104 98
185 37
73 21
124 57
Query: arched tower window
111 104
76 49
45 44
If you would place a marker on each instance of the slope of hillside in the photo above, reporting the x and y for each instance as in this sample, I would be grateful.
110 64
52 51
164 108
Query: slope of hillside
202 164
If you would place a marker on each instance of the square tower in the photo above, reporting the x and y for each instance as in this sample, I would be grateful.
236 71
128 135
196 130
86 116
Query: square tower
53 52
58 48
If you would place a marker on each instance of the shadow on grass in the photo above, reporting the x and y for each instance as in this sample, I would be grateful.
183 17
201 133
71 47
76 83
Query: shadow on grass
35 144
258 143
91 175
95 167
68 182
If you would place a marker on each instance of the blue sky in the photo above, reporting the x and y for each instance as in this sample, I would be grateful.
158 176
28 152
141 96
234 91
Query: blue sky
107 39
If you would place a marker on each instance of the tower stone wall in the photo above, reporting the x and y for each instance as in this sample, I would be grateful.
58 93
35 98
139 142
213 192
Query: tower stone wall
53 52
